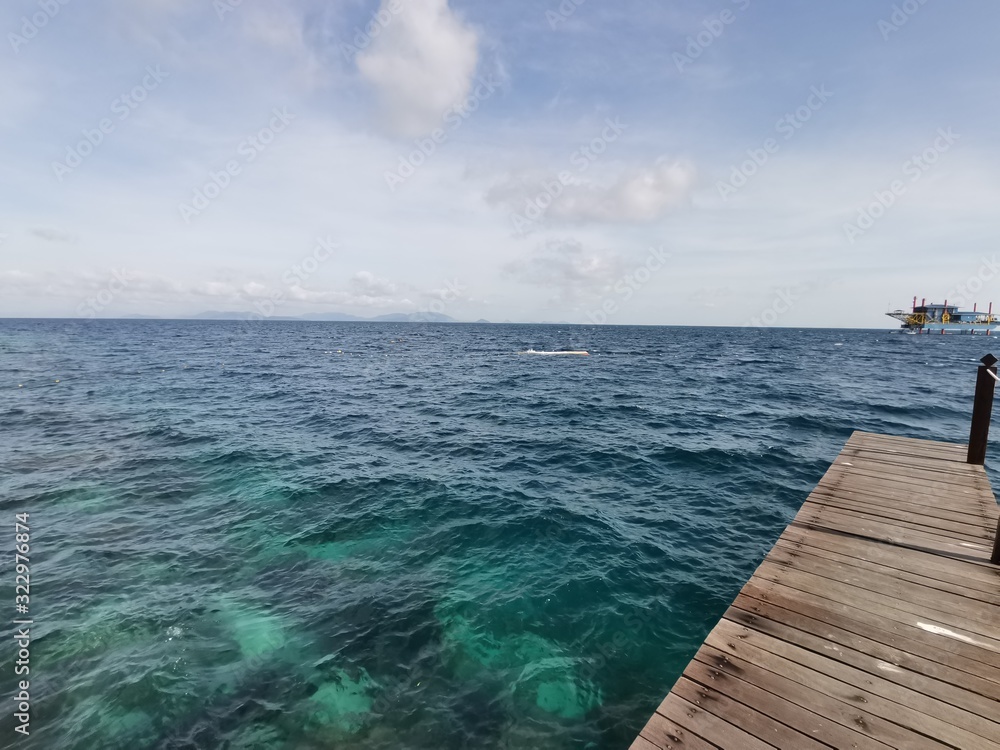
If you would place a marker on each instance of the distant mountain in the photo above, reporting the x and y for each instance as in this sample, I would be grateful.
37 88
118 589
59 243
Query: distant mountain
417 317
216 315
329 317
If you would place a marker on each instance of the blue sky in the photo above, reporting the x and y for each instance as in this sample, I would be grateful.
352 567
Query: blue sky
719 163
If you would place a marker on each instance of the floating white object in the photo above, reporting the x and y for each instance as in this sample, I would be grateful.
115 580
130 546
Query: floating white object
580 353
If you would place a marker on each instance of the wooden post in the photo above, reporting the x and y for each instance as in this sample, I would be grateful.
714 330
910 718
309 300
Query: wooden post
982 409
996 548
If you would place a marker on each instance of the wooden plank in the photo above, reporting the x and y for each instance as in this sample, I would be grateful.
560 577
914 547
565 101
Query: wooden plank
816 513
903 517
641 743
905 478
710 727
951 477
661 732
872 622
970 630
905 708
902 653
958 513
958 707
904 460
912 588
760 691
980 577
886 492
929 447
901 461
890 533
950 485
895 537
956 584
925 512
918 674
831 699
905 455
754 722
884 624
866 436
873 440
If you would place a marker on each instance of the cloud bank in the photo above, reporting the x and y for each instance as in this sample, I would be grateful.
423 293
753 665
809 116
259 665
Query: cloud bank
421 64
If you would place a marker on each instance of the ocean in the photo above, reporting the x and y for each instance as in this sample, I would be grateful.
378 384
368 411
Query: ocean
348 535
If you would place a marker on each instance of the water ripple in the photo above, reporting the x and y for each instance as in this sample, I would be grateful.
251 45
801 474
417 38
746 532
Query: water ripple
343 535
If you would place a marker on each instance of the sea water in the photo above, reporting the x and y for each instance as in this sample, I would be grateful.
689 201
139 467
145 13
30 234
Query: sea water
316 535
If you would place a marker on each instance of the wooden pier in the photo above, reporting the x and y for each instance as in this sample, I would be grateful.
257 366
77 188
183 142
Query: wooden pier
874 622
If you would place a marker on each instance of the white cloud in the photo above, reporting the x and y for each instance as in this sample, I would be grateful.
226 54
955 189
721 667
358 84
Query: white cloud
145 293
52 235
365 283
567 268
638 194
325 175
215 289
421 64
643 194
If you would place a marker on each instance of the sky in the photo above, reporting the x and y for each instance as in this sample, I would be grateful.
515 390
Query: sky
727 162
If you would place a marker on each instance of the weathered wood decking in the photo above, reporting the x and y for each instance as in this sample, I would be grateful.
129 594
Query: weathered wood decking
874 622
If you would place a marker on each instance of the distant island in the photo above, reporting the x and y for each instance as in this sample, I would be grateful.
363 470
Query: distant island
417 317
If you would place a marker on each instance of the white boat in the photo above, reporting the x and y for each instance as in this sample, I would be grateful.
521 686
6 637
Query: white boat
578 353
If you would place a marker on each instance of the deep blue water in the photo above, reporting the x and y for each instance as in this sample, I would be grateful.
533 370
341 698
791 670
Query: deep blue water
330 535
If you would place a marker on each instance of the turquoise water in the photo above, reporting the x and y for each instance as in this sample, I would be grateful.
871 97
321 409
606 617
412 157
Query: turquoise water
408 536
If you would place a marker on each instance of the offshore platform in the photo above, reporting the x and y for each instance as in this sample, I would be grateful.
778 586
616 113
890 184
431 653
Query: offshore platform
935 318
